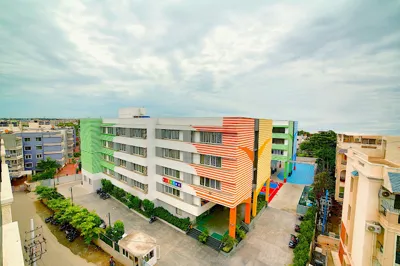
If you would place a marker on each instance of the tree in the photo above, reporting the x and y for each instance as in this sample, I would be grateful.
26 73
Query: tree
46 174
322 145
119 230
46 193
47 164
322 182
69 213
89 227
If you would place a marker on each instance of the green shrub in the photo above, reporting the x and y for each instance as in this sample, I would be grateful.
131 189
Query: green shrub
137 203
148 206
307 227
77 154
181 223
228 242
204 236
240 233
107 186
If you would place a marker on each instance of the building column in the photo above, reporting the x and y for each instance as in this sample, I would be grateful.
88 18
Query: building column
267 190
247 211
285 172
232 222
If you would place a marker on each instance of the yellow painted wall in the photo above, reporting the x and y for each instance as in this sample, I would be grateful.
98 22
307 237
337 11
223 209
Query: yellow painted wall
264 157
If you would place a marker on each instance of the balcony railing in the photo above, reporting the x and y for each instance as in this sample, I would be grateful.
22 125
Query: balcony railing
344 162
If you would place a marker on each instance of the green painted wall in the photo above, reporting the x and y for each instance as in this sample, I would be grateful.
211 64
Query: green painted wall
91 145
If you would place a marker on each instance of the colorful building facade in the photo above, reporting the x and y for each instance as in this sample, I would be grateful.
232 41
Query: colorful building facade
185 165
284 146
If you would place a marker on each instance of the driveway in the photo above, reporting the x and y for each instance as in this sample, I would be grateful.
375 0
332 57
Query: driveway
287 197
265 245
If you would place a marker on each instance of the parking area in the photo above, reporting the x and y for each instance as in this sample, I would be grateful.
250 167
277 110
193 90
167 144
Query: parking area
265 245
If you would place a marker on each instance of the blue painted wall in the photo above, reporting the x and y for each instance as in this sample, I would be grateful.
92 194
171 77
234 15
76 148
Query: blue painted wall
295 133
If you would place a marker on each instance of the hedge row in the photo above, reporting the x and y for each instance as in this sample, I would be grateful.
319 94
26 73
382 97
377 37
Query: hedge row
145 207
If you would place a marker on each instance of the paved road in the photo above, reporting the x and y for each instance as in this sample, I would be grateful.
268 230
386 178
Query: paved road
265 245
23 210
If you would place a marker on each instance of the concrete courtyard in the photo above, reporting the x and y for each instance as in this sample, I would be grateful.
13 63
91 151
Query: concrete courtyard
265 245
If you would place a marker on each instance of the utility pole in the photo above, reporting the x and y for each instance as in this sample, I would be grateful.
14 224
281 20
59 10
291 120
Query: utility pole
34 244
72 197
109 219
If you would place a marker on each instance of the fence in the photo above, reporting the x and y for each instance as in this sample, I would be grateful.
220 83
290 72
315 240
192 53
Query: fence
61 180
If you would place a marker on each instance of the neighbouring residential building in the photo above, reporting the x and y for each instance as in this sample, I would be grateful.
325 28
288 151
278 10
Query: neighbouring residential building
344 142
370 226
284 146
11 242
14 156
300 139
40 144
186 165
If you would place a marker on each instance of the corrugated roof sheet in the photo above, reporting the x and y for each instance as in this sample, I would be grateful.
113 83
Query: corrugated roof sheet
354 173
395 181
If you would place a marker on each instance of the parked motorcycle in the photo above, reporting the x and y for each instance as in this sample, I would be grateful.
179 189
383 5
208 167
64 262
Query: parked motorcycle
49 219
301 218
71 237
99 191
152 219
64 226
292 244
294 238
54 222
297 228
102 224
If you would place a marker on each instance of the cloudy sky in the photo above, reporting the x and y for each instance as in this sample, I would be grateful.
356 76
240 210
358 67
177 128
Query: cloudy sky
328 64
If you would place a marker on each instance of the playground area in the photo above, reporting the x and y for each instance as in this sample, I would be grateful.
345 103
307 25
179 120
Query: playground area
303 175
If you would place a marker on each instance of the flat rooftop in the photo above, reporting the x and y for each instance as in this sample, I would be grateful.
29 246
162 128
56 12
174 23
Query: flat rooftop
137 243
382 161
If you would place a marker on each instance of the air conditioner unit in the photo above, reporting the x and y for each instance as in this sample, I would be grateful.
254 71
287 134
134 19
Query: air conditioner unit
373 227
383 193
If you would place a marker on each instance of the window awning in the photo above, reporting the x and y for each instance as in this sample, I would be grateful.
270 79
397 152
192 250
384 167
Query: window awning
394 181
354 173
342 151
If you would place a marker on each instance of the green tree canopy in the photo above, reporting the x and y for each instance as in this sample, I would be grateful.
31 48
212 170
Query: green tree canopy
322 146
47 164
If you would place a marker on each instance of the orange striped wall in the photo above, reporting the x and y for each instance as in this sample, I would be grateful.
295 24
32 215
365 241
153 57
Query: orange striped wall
236 173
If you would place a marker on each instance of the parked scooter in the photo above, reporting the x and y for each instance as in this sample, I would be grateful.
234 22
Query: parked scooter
301 218
99 191
152 219
292 244
294 238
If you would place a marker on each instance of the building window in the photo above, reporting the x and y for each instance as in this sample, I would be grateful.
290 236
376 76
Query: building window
39 147
138 150
120 131
139 168
126 254
211 137
172 154
278 141
27 139
28 165
137 133
279 130
210 160
108 130
149 256
122 147
172 191
397 202
170 134
121 163
171 172
27 148
28 156
90 181
138 184
39 156
178 211
277 152
123 178
38 139
211 183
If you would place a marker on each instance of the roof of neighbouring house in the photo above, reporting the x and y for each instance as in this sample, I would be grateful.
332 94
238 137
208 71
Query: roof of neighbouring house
394 181
137 243
354 173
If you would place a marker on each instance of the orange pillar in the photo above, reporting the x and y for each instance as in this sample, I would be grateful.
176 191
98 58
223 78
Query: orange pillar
247 211
232 222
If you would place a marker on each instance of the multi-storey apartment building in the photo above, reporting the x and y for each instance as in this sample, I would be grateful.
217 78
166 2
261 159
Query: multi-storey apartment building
344 142
38 145
284 145
370 226
186 165
11 241
14 156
